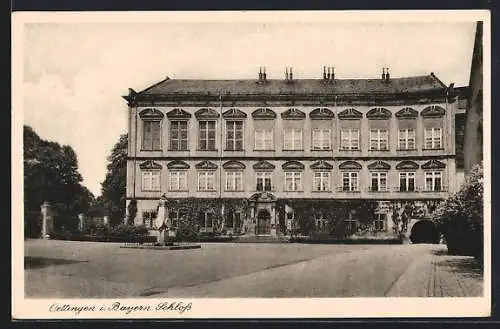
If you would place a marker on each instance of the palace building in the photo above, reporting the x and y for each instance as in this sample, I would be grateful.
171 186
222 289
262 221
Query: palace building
264 156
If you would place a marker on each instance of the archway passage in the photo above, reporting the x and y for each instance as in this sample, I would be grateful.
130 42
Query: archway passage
424 231
263 222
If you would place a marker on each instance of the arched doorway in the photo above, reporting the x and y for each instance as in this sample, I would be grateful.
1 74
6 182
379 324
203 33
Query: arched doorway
424 231
263 222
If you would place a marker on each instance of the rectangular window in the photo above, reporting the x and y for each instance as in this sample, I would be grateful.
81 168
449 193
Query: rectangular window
148 219
209 219
234 135
263 181
207 135
151 180
151 135
234 181
406 181
349 181
264 139
293 181
321 139
433 138
350 139
321 223
206 181
321 181
378 181
350 224
379 139
293 139
178 136
406 139
178 181
433 181
380 222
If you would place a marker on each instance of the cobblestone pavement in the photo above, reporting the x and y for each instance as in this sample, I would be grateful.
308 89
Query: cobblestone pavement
79 269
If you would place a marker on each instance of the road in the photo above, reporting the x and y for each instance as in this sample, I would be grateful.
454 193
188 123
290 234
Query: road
85 269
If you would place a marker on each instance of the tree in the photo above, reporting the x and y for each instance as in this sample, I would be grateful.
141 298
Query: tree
461 216
51 174
114 185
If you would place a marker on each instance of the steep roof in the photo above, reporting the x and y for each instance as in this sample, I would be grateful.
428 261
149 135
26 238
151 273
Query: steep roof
298 86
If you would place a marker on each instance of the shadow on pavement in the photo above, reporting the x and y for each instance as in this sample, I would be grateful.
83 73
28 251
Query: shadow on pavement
40 262
467 266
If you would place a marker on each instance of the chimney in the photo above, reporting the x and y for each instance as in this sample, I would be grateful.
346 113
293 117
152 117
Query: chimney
286 73
291 74
387 76
329 75
333 73
264 75
383 74
324 73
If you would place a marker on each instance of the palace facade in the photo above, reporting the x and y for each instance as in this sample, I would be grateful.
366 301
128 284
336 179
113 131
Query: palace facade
265 156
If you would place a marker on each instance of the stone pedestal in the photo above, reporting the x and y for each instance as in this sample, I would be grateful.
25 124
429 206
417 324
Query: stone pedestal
47 220
161 238
81 222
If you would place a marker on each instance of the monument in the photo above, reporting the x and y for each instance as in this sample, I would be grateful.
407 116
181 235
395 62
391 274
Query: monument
161 223
47 220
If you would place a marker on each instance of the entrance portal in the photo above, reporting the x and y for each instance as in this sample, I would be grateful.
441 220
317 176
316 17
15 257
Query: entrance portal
424 231
263 222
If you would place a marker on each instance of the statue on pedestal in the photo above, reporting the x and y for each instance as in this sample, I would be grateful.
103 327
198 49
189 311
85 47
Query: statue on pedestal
161 223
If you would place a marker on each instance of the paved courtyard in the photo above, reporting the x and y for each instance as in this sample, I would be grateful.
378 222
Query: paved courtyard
89 269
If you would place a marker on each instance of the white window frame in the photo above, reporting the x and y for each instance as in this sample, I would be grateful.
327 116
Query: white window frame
292 139
321 139
203 134
379 139
350 139
262 175
380 222
379 176
350 221
295 177
434 176
433 138
353 178
231 125
264 139
321 181
234 181
407 176
177 180
178 140
406 139
151 180
204 176
150 221
321 223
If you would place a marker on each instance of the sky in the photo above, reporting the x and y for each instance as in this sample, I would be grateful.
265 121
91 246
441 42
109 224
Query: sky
75 73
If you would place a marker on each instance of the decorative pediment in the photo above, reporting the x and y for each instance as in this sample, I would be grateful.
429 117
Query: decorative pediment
151 114
150 165
293 165
407 113
407 164
262 197
433 111
353 165
264 114
321 113
206 113
350 114
234 114
379 165
321 165
178 114
206 165
293 114
177 165
433 164
379 113
234 165
263 165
